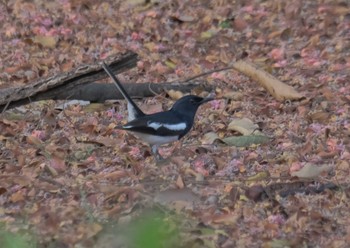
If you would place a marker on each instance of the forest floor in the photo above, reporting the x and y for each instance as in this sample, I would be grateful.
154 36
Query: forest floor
68 178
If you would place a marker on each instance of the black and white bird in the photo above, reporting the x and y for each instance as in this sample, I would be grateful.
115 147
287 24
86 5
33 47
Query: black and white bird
163 127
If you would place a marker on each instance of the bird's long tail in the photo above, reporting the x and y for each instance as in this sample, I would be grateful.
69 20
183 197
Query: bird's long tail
133 110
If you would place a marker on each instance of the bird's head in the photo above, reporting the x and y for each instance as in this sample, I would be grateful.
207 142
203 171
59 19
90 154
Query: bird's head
190 103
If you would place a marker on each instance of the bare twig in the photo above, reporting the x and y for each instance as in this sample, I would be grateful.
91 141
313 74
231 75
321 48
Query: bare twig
204 74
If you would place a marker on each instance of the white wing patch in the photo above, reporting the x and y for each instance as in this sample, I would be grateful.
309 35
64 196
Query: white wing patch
131 112
173 127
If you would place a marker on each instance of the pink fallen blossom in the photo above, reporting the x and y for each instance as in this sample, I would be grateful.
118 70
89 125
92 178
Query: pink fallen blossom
218 75
296 166
277 219
215 104
41 135
40 30
277 54
135 36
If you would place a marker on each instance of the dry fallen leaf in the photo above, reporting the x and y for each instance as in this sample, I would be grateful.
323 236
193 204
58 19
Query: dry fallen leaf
46 41
33 140
311 170
176 41
180 183
244 126
321 117
107 141
209 138
89 230
17 196
276 88
175 95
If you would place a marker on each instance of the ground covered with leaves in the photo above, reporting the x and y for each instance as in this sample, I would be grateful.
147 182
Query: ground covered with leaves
68 178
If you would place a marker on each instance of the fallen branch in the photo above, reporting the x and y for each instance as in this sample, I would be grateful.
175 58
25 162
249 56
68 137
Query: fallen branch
78 84
63 84
100 92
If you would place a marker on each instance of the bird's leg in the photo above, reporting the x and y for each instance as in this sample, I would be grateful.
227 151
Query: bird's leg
154 149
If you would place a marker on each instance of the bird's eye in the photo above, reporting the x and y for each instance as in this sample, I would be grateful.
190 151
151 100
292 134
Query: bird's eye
192 101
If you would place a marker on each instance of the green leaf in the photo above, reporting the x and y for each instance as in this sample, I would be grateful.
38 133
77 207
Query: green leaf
225 24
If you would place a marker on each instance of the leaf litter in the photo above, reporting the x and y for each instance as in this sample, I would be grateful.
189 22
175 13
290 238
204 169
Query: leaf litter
68 175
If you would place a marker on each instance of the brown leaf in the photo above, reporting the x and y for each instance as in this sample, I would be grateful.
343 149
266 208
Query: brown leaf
22 180
18 196
306 148
226 219
209 138
115 175
89 230
321 117
220 162
153 108
224 58
233 95
343 166
58 164
244 126
175 95
180 183
45 41
106 141
327 155
276 88
240 24
33 140
67 66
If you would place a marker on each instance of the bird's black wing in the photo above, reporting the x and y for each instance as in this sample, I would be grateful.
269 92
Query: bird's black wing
134 110
160 124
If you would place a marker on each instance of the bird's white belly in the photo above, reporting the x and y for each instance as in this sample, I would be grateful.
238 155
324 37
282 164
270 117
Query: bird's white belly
156 140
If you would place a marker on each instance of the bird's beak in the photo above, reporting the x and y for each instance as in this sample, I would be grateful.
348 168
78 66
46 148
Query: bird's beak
207 99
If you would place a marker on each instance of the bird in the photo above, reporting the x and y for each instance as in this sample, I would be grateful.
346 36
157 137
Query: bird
162 127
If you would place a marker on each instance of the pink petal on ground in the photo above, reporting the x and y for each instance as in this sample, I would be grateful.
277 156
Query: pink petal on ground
41 135
280 64
216 104
66 31
277 219
296 166
135 36
217 75
135 151
40 30
248 9
277 54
